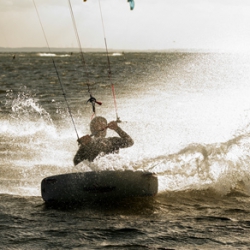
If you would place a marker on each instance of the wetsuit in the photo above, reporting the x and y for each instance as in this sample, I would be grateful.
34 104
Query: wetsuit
103 145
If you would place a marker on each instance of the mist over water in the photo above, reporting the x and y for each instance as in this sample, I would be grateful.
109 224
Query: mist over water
187 113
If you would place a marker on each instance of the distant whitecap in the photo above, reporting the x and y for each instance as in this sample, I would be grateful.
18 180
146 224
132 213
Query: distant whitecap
46 54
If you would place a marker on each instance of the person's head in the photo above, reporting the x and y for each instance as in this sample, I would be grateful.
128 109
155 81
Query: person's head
98 126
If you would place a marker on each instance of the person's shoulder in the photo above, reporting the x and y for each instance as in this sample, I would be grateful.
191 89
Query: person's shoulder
114 139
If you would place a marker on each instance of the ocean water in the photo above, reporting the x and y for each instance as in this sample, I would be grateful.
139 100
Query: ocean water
189 115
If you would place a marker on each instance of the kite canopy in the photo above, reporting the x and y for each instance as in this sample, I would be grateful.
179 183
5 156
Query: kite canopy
131 2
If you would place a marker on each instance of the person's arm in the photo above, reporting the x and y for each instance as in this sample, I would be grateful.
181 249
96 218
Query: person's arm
125 140
88 150
82 153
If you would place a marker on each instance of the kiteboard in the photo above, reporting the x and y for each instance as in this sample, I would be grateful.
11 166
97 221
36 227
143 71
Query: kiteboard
83 186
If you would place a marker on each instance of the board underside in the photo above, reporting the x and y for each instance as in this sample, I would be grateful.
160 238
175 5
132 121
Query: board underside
77 187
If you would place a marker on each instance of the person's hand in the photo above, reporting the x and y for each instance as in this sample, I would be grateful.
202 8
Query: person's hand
113 125
84 139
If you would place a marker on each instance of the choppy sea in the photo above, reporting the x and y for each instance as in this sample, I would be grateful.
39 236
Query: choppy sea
189 115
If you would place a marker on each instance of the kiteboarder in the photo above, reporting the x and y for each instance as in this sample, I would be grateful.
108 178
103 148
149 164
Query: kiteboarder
96 144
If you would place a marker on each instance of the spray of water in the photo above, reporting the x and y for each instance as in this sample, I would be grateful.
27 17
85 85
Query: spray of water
40 148
24 106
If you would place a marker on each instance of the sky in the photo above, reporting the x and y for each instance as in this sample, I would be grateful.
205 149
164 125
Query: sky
152 25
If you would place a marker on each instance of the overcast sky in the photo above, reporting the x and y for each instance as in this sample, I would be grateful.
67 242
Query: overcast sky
153 24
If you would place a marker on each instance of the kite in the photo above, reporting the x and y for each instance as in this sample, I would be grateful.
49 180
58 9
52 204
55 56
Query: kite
131 2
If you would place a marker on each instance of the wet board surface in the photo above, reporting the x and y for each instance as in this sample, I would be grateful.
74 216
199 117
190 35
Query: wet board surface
77 187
